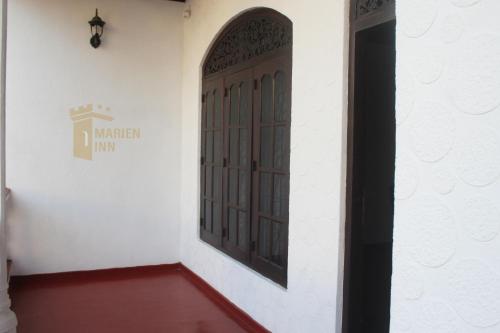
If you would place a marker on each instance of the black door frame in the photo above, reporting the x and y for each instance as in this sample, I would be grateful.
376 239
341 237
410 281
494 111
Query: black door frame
363 14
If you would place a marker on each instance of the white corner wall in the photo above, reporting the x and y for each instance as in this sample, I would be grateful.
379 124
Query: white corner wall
129 207
447 219
122 208
317 181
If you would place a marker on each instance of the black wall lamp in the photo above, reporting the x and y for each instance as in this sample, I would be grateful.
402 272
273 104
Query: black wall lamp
96 29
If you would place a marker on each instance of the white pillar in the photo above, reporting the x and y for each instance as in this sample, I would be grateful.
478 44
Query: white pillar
8 321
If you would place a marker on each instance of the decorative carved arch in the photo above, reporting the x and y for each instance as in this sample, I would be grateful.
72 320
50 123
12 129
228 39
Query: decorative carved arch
253 34
369 7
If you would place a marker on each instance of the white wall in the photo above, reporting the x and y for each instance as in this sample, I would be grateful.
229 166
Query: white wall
447 219
122 208
309 303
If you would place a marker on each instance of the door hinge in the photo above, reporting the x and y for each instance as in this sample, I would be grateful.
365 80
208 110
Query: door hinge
224 232
202 160
201 221
224 162
255 84
252 246
203 98
225 92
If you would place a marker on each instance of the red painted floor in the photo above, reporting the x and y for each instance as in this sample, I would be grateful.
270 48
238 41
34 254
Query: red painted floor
142 300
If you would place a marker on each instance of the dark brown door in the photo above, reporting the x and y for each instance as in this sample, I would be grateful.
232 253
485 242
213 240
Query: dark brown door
211 161
245 142
237 161
271 159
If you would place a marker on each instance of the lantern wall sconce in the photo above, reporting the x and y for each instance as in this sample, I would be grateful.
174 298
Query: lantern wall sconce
96 29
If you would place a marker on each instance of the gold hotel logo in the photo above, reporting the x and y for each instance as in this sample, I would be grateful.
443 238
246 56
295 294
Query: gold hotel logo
87 140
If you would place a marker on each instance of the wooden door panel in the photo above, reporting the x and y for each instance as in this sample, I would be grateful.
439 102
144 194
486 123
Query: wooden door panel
237 155
271 167
211 166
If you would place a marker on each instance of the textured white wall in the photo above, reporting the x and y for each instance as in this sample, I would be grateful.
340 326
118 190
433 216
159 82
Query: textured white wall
122 208
317 181
71 214
447 220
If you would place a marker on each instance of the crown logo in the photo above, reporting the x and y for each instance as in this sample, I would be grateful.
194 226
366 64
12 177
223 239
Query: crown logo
83 127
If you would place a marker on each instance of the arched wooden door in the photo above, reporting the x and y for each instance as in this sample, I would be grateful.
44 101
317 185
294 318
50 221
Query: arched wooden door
245 142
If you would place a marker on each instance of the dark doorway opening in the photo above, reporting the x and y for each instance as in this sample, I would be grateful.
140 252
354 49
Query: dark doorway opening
370 181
